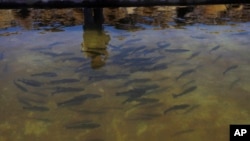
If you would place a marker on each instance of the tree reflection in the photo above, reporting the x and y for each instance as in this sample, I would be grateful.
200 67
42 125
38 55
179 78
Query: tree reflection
95 39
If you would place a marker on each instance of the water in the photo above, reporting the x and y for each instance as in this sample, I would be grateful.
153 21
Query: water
141 74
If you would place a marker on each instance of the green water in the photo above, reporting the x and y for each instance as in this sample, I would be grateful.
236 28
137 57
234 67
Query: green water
211 58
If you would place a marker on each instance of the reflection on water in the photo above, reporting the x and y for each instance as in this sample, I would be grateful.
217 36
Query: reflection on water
95 38
147 73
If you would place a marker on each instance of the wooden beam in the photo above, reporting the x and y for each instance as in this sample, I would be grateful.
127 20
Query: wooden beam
13 4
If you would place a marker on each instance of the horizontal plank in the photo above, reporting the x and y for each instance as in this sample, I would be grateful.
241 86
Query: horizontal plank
11 4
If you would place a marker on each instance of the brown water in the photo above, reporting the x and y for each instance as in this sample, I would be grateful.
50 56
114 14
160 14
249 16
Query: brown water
138 66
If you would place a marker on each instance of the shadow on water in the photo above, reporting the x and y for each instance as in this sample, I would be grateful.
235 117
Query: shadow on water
124 73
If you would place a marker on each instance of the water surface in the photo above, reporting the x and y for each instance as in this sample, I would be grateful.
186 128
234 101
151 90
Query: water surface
155 73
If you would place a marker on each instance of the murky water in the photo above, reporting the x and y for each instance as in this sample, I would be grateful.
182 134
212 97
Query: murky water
142 74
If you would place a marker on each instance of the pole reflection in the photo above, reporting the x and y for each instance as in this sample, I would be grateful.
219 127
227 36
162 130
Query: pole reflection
95 39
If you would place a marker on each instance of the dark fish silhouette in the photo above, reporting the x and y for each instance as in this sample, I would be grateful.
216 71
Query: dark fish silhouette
177 50
185 73
189 82
106 77
20 86
145 116
66 90
214 48
61 81
74 59
193 55
230 68
132 40
176 107
52 54
97 139
45 74
198 37
234 83
134 93
183 132
78 100
137 92
156 67
188 90
30 82
50 46
163 44
142 80
36 108
28 100
142 100
91 112
193 107
217 58
83 125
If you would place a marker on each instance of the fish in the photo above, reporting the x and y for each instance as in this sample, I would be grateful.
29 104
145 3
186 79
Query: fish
234 83
22 88
45 74
36 108
97 139
141 100
217 58
142 80
163 44
26 100
30 82
176 50
61 81
192 108
75 59
52 54
137 92
82 125
66 90
193 55
136 49
89 112
176 107
214 48
132 40
156 67
198 37
187 72
242 33
186 91
50 46
54 29
189 82
134 93
230 68
78 100
83 68
107 77
145 116
183 132
45 120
